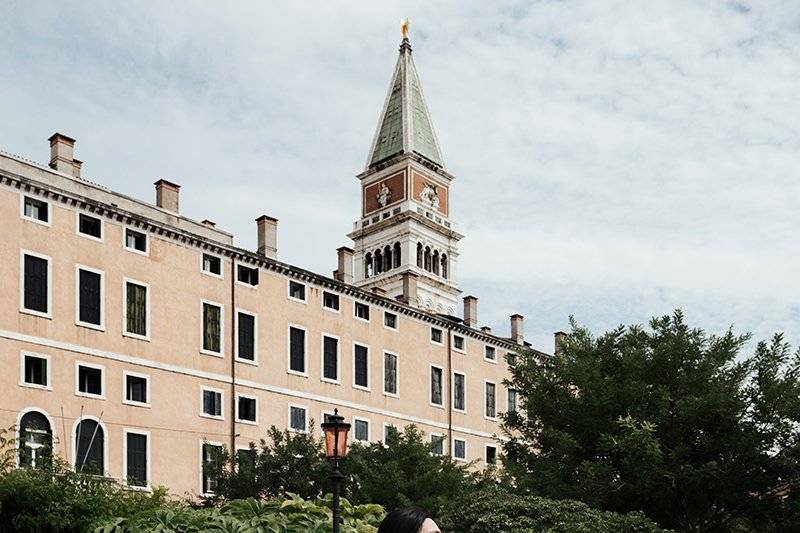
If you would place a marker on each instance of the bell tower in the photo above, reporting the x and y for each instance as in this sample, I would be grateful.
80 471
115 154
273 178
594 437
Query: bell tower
405 236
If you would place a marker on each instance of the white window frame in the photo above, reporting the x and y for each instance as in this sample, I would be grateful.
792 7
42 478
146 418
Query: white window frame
22 308
396 321
356 303
289 350
254 362
236 411
289 282
146 251
464 340
338 380
289 417
368 388
430 336
383 375
236 265
331 309
78 321
202 462
21 441
22 196
444 441
102 369
369 429
204 351
387 425
453 392
453 449
49 377
78 232
221 393
431 366
486 447
485 383
106 438
125 400
205 272
488 360
146 434
508 404
125 332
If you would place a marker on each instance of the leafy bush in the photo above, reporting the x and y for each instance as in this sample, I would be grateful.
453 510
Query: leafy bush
493 509
291 515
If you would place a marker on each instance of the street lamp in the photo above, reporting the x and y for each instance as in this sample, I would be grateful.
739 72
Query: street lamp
335 430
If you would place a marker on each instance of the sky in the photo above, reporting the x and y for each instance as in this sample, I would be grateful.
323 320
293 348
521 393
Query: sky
614 160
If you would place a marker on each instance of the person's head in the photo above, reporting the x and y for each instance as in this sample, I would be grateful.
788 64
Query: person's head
408 520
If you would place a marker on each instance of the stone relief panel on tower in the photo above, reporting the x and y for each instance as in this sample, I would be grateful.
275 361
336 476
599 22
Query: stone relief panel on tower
385 192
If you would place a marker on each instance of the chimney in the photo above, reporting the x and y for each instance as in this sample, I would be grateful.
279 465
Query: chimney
409 288
167 195
516 328
378 291
471 311
486 329
559 338
344 272
209 223
267 236
61 155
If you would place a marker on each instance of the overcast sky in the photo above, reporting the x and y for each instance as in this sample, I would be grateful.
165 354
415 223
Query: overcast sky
614 159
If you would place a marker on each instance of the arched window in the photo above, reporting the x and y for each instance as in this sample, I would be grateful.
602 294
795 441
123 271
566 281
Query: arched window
419 254
396 255
378 262
427 258
444 266
368 265
89 447
35 439
435 264
387 258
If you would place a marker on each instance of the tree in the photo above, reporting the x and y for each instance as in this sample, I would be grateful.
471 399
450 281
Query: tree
668 420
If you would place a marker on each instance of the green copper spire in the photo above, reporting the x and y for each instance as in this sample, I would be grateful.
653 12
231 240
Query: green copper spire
405 125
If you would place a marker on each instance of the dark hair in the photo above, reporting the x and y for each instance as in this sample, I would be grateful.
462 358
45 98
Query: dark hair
404 520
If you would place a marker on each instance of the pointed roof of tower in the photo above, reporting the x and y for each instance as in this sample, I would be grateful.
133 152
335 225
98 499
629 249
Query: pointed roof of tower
405 125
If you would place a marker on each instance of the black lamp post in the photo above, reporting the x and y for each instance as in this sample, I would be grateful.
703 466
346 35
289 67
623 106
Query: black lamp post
335 430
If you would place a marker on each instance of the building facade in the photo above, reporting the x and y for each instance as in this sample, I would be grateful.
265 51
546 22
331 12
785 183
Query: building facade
133 339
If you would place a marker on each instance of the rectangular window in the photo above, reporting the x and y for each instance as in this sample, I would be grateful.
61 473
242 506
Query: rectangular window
460 449
297 291
210 455
360 366
390 320
459 392
90 380
360 430
361 311
90 297
212 403
297 350
491 455
512 401
136 389
36 271
90 226
297 418
330 358
212 328
390 373
135 240
330 300
458 343
136 459
436 385
38 210
489 353
437 444
212 265
136 309
491 409
388 431
511 358
35 371
247 275
436 335
245 336
246 409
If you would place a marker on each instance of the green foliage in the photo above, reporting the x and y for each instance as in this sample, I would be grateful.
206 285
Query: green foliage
494 509
668 420
290 515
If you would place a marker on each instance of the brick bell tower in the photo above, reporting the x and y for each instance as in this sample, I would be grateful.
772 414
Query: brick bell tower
405 237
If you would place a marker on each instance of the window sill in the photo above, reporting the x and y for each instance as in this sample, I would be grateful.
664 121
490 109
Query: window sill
36 221
48 316
218 355
138 488
391 394
137 252
362 388
35 386
212 417
136 336
251 362
133 403
297 373
332 310
493 361
437 406
89 325
330 381
90 237
298 300
212 275
366 320
245 284
248 422
89 395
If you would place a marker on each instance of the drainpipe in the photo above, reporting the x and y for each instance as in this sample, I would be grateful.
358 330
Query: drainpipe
233 363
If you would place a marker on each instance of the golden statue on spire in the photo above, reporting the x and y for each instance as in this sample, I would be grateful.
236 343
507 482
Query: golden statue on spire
405 27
